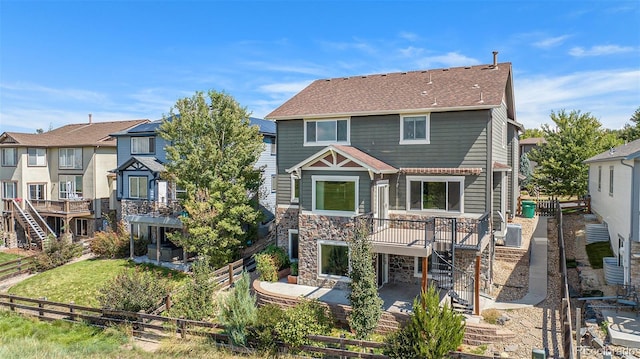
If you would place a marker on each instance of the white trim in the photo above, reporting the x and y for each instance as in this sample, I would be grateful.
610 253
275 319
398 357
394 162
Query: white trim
409 179
417 263
287 206
389 112
317 178
319 260
293 231
325 143
292 189
427 133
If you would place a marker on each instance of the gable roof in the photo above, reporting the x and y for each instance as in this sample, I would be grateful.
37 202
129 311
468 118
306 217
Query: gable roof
533 141
150 163
73 135
462 88
345 157
628 151
267 127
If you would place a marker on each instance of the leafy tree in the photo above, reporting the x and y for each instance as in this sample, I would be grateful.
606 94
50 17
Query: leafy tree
631 132
574 138
532 133
525 170
365 302
239 311
431 333
212 153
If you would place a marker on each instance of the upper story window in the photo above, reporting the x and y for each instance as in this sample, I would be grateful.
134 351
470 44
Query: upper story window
70 187
326 132
138 187
9 157
295 189
335 194
37 156
9 189
36 191
599 178
435 193
414 129
143 145
274 148
611 181
70 158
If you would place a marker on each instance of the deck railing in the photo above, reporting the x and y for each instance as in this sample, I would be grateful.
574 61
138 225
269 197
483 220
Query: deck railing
63 206
144 207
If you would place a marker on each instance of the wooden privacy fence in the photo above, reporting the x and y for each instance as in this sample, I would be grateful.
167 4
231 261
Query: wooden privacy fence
547 207
16 267
225 277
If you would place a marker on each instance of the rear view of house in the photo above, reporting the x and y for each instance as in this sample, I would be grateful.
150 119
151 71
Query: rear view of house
426 160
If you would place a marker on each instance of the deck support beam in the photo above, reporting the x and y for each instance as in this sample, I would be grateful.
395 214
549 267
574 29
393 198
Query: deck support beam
476 289
424 273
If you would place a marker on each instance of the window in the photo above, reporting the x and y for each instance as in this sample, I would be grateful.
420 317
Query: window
180 193
143 145
611 181
9 157
417 265
138 187
70 158
274 148
37 156
295 189
274 183
9 189
599 178
324 132
36 191
333 259
81 226
335 193
435 193
70 186
414 129
293 244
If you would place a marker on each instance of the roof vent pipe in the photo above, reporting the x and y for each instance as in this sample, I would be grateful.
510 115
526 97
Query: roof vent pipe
90 118
495 59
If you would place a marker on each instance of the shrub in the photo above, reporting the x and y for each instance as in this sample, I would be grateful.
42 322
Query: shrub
431 333
239 311
294 268
56 253
112 244
264 331
266 267
491 315
134 290
279 255
195 300
306 318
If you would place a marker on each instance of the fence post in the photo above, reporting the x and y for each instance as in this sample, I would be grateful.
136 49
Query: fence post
578 337
71 315
167 302
41 306
182 325
230 274
11 304
342 345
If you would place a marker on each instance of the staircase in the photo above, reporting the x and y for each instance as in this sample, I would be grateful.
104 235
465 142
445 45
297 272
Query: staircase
33 224
456 284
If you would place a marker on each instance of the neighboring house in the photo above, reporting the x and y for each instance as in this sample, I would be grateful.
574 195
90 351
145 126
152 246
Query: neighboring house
267 163
149 202
428 159
614 187
58 181
528 144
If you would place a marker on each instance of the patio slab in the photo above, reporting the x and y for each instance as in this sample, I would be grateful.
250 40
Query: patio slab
624 328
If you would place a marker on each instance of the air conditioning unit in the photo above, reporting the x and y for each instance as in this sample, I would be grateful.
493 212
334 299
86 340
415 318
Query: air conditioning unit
514 235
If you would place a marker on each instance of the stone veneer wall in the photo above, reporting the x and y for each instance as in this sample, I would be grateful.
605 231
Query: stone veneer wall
634 265
312 228
401 269
286 219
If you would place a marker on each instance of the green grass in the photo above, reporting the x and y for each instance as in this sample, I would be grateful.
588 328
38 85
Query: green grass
6 257
80 282
597 251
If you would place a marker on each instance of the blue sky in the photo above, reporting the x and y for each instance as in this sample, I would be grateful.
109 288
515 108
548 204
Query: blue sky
60 61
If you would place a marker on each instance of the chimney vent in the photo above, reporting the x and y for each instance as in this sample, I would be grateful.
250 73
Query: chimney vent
90 118
495 59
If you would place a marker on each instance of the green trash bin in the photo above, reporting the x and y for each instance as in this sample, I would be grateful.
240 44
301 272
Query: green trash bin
528 209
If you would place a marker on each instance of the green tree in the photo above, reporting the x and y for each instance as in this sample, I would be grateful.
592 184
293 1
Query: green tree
532 133
631 132
575 137
525 170
366 304
195 300
431 332
238 311
212 153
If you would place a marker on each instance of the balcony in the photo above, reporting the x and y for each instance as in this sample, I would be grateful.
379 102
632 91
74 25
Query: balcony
131 207
82 207
408 235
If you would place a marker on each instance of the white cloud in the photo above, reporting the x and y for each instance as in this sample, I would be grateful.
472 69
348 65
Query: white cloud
551 42
411 51
284 87
55 93
451 59
600 50
409 36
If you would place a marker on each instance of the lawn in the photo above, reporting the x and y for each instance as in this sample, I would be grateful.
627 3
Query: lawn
597 251
80 282
6 257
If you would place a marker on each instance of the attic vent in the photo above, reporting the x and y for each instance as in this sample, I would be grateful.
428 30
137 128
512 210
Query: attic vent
429 79
435 101
364 77
403 73
445 69
383 75
467 67
423 93
481 99
475 86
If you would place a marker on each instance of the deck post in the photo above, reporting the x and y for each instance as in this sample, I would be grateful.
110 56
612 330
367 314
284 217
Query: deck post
131 246
424 273
476 289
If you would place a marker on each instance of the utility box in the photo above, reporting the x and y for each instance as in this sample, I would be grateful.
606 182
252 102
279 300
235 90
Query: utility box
514 235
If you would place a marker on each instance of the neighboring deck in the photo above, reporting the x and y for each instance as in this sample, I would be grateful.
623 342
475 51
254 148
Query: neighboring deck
61 208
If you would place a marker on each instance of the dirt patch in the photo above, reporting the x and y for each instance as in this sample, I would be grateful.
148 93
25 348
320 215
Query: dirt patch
20 251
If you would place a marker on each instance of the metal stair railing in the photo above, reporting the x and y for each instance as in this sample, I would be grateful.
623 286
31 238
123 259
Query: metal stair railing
29 221
39 218
458 283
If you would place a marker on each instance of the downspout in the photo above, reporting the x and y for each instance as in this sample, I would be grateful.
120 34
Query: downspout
634 199
489 184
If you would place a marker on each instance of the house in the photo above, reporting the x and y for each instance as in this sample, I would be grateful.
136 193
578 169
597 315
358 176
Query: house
57 182
614 187
149 202
426 159
528 144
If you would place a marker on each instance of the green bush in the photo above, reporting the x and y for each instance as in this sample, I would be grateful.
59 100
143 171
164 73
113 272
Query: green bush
294 268
195 299
266 267
56 253
135 290
306 318
280 256
238 311
115 244
263 332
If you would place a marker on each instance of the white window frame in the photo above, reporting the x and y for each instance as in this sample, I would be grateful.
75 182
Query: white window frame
74 187
77 159
427 132
331 276
138 186
330 142
295 199
40 159
417 267
294 231
43 190
14 186
14 157
274 146
274 183
611 176
315 179
599 178
410 179
150 146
